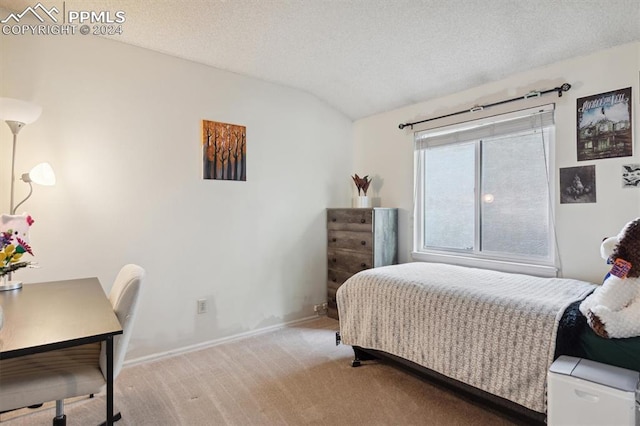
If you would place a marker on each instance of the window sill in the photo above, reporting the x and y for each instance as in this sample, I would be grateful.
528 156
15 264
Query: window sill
497 265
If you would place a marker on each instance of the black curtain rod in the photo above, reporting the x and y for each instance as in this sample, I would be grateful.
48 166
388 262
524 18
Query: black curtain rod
533 94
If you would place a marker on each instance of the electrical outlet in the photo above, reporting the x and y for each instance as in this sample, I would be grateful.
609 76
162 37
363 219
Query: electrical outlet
320 309
202 306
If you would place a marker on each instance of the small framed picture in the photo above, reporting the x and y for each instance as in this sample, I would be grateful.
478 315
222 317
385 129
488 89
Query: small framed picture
631 176
578 185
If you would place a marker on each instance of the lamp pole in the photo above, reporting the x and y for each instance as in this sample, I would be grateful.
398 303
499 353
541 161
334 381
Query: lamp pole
15 127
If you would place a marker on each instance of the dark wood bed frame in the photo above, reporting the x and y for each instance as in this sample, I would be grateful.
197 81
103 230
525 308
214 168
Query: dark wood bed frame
515 412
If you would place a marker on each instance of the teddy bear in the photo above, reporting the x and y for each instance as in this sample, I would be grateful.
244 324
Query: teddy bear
613 309
18 224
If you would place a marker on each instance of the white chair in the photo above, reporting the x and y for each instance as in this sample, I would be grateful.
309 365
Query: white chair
72 372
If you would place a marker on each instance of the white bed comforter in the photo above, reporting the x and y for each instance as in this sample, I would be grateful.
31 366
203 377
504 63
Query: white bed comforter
492 330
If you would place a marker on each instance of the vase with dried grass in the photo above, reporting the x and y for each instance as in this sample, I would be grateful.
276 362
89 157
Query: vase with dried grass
362 184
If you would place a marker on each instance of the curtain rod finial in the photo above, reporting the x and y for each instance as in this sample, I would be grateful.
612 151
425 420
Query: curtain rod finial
564 88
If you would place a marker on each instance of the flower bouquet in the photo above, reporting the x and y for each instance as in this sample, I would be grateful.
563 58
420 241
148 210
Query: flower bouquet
14 243
11 250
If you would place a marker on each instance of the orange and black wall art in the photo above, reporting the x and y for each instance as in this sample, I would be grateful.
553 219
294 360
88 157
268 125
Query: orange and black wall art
224 151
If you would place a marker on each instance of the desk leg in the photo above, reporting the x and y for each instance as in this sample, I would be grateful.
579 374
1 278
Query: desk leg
109 351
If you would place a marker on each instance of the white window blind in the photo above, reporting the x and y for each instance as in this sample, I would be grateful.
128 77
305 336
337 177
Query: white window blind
487 128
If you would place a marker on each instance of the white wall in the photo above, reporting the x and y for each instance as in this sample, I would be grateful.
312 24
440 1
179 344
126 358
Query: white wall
121 128
384 151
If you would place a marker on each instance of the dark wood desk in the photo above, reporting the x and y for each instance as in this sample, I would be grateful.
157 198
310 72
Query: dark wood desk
59 314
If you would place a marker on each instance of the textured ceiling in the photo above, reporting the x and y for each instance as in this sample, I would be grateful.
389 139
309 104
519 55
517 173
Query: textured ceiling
368 56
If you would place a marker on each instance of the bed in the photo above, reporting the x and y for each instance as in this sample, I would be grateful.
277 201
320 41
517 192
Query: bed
490 333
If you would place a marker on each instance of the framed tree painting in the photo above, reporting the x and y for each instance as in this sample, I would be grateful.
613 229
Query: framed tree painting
604 125
224 151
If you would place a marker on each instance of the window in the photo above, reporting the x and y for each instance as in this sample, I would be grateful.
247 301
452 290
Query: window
483 193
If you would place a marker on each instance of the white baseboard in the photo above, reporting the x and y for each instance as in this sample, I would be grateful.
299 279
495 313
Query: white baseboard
210 343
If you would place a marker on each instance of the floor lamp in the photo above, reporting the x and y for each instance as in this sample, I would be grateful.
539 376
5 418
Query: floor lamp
17 114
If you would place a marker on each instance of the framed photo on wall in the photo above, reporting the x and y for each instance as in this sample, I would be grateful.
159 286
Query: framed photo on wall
604 125
631 175
578 185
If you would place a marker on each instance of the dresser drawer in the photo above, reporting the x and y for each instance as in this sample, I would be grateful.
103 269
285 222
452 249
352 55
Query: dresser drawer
351 240
350 219
348 261
335 280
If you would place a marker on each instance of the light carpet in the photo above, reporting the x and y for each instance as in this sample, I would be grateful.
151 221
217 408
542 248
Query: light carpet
292 376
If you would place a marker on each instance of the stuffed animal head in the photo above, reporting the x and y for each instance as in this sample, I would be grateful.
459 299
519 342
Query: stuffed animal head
625 246
18 224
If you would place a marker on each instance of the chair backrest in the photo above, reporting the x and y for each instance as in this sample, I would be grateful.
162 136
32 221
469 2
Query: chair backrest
124 298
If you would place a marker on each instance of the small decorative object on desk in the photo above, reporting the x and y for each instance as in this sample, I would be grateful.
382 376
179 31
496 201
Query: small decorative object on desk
14 243
363 185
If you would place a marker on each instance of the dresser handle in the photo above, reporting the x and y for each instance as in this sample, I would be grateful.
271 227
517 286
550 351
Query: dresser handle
363 220
364 243
364 265
334 260
334 280
333 219
334 240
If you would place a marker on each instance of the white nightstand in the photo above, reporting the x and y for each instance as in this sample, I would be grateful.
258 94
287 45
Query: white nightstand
584 392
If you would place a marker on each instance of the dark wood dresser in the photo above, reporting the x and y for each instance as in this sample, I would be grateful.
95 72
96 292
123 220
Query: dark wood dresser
358 239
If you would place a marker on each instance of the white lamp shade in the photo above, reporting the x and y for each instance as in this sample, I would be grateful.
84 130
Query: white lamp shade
20 111
42 174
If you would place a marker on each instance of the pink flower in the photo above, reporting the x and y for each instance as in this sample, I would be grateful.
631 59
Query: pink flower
24 245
